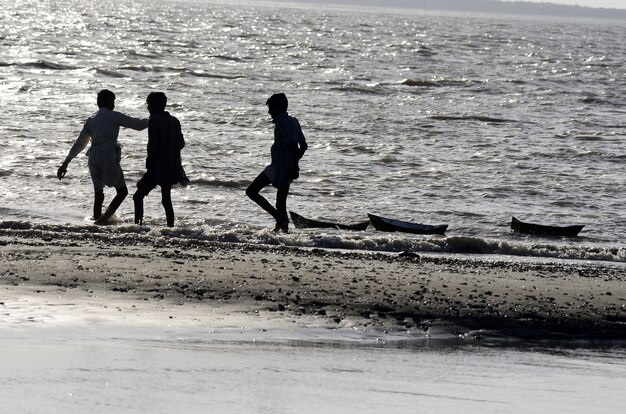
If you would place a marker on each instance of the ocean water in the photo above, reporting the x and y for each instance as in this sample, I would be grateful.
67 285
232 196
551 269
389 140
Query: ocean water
103 370
423 117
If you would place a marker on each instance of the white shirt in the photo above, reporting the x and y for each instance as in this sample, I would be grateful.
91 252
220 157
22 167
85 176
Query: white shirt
103 128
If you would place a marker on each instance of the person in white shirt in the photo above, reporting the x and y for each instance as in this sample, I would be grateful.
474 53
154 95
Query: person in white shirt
103 129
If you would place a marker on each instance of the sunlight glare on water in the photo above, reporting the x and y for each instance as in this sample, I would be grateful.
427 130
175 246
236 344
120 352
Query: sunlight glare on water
422 117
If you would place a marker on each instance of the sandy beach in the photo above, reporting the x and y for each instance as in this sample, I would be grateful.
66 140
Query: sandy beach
142 279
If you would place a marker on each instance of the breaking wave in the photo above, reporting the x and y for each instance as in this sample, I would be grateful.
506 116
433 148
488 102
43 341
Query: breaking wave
224 232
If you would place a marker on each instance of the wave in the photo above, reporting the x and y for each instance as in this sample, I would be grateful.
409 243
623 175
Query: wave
227 58
478 118
43 64
470 245
422 83
437 84
108 73
203 182
141 68
158 69
364 89
426 51
211 75
592 100
473 245
227 232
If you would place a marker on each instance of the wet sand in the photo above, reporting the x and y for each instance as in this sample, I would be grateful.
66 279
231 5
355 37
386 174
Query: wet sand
54 277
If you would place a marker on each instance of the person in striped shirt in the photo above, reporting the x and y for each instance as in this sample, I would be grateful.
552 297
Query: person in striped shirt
287 149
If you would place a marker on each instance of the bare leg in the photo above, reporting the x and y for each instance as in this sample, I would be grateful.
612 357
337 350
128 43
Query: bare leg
166 200
97 204
253 191
138 201
122 192
255 188
282 222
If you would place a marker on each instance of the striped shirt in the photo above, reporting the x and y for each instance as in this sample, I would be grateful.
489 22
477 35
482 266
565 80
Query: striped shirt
288 147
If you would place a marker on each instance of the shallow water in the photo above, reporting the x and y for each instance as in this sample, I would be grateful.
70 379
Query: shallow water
465 120
138 370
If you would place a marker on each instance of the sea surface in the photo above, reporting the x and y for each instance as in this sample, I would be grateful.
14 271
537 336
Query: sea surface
138 370
423 117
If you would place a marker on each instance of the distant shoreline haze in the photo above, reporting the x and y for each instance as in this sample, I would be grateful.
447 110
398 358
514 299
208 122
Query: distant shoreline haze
489 6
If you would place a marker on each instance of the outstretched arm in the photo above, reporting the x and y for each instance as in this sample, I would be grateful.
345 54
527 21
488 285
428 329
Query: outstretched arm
133 123
62 170
79 145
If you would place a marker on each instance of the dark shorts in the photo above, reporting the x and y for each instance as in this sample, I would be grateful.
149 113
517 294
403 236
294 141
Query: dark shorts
147 184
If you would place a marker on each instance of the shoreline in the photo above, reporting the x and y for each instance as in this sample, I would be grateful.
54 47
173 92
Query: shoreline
215 284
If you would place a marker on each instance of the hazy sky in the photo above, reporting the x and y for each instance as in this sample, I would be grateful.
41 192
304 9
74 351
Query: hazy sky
613 4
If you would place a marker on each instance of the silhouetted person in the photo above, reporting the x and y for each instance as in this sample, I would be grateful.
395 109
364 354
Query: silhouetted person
163 164
103 129
288 147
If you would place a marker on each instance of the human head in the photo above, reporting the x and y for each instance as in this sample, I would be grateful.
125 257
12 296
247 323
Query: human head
156 102
106 99
277 104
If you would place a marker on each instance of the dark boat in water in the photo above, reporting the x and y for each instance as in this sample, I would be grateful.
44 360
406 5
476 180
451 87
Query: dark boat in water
543 230
387 224
305 223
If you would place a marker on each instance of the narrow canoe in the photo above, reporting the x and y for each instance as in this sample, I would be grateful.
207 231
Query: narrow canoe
543 230
305 223
387 224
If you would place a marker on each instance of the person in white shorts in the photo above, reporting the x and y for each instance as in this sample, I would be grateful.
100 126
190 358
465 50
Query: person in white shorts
103 129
